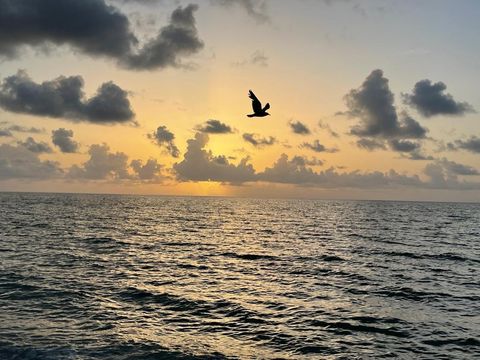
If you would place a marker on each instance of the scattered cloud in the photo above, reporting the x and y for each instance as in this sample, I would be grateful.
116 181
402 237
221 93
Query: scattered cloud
304 161
97 29
63 138
257 9
371 144
200 164
17 162
317 147
214 127
258 141
63 97
292 172
404 145
165 139
299 128
35 147
430 99
327 128
150 171
106 165
258 58
22 129
453 167
102 164
472 144
417 154
373 104
5 133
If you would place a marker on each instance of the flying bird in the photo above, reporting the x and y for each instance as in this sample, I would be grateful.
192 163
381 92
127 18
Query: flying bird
258 111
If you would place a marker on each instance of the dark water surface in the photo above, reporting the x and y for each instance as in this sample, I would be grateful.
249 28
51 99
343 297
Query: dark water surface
131 277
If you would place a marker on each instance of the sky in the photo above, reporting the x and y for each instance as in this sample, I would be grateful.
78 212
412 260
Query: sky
369 100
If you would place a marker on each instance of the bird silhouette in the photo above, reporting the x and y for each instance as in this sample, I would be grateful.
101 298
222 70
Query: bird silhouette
258 111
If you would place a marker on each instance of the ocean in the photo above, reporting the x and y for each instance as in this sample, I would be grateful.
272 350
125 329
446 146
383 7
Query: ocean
144 277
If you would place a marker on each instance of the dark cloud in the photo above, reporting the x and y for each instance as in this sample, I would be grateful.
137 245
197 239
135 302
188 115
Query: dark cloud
214 127
64 98
299 128
418 155
96 29
380 124
35 147
200 164
258 141
404 145
17 162
371 144
472 144
373 104
257 9
317 147
165 139
430 99
63 138
174 41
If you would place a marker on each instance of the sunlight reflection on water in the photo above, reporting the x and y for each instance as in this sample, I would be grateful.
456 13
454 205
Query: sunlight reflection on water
94 276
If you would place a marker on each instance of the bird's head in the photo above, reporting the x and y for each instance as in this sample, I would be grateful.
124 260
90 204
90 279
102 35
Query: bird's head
268 114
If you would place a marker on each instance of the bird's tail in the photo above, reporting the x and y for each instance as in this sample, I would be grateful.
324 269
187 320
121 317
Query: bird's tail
251 115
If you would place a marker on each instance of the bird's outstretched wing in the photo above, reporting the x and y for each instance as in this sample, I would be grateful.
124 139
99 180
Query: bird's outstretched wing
256 104
267 106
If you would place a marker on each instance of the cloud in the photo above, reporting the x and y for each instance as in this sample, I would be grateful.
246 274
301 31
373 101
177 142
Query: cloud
430 99
371 144
150 171
404 145
299 128
63 97
257 9
214 127
317 147
174 41
458 169
35 147
106 165
22 129
418 155
304 161
472 144
102 164
96 29
165 139
327 128
373 104
17 162
63 139
292 172
443 174
200 164
258 58
258 141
